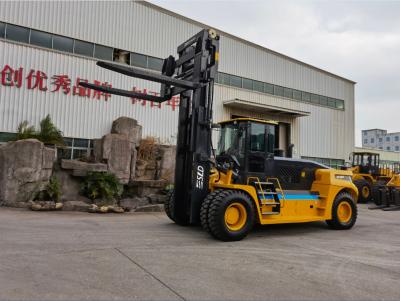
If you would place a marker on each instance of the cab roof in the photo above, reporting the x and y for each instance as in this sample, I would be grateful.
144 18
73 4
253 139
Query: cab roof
249 119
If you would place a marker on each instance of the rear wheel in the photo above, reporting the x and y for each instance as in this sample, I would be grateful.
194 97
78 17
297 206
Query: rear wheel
344 212
364 190
169 205
231 215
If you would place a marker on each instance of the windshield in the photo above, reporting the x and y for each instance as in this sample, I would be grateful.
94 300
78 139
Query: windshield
232 141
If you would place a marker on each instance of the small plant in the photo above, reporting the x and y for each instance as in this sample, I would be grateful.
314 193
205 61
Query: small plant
102 185
25 131
48 134
52 191
147 149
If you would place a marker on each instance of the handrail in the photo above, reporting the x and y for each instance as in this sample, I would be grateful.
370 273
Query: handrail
280 188
259 184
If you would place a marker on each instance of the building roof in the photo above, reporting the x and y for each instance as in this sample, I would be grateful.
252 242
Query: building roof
221 32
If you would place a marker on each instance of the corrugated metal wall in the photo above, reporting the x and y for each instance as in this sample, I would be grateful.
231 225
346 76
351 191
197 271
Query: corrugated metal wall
141 28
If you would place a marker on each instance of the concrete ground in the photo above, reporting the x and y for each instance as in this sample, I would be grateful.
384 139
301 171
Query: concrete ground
59 255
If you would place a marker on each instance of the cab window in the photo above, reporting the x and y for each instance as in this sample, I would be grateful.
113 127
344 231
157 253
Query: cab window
257 137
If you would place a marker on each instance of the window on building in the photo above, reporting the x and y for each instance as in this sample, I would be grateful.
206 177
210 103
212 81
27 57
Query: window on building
278 90
83 48
287 92
236 81
396 138
140 60
372 140
331 102
5 137
380 139
339 104
40 38
323 100
75 148
154 63
121 56
397 148
63 43
268 88
224 78
365 141
258 86
380 147
247 84
103 52
388 148
305 96
315 98
365 133
297 94
2 30
17 33
388 139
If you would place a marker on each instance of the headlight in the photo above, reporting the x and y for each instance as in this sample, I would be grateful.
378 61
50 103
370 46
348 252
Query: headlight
344 178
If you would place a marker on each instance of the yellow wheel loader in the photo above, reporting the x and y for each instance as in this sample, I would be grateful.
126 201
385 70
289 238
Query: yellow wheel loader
368 174
244 183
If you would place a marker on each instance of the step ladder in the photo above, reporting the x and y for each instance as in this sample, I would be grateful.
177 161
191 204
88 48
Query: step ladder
264 191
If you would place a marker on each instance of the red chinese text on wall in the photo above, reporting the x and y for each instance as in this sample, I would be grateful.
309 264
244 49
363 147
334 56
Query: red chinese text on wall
62 83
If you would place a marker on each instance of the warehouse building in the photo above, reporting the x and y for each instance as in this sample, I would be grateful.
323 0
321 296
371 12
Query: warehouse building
46 47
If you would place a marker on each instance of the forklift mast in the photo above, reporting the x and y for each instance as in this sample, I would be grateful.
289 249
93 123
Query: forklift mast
191 76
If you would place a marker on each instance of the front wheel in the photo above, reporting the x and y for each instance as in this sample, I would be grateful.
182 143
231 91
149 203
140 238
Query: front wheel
364 190
344 212
231 215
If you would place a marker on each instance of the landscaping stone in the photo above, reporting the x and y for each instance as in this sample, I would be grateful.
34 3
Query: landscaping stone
76 206
25 169
157 198
80 168
143 188
132 203
168 159
128 127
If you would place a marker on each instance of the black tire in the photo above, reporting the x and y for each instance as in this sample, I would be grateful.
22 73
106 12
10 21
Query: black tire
205 206
363 185
216 215
169 205
376 194
335 222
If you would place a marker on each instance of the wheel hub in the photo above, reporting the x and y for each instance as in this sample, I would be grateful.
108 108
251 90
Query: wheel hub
365 192
235 216
344 212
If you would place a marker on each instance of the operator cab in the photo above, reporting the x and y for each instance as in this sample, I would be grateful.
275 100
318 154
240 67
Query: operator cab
368 163
249 144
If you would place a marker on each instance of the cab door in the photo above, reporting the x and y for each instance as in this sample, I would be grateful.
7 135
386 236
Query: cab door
256 159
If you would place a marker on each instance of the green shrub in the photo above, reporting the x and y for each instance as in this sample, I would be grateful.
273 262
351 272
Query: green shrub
101 185
52 192
48 134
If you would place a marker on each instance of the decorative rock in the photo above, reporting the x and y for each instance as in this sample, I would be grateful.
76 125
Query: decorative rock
76 206
157 198
168 155
59 206
150 208
93 208
82 168
103 209
25 168
115 209
143 188
128 127
133 203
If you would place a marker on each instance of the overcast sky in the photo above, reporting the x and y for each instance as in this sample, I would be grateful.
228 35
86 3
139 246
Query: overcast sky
359 40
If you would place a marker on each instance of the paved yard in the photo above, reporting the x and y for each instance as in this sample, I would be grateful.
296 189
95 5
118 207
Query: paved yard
58 255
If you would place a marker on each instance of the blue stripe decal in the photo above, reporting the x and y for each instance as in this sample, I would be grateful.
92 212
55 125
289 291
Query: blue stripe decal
291 196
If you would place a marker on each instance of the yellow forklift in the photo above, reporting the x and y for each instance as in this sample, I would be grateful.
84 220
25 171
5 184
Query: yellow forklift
386 195
244 183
